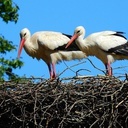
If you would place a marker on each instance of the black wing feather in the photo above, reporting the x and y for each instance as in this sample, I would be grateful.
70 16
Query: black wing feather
72 47
120 50
120 34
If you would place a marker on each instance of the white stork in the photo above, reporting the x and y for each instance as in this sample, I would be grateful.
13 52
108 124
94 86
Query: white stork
108 46
50 47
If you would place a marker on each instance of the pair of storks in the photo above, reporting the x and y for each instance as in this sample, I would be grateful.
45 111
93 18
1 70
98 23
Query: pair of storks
53 47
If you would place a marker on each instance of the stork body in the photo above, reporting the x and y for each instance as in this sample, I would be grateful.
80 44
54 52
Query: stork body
50 47
107 46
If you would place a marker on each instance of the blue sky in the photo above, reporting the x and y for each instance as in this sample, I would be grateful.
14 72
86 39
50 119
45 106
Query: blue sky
64 16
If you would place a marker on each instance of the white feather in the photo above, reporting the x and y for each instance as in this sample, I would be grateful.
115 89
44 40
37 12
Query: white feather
106 40
51 40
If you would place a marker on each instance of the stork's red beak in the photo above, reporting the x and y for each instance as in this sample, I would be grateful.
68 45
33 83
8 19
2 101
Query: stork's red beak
20 47
75 36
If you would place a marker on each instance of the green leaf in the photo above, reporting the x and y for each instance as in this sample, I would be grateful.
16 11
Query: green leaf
8 12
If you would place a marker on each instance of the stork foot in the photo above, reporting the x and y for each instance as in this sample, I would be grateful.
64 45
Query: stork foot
109 72
52 77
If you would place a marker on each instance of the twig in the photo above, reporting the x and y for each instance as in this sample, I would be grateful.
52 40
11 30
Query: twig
70 67
121 102
95 66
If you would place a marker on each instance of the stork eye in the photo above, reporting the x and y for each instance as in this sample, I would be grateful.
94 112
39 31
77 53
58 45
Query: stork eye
24 34
78 31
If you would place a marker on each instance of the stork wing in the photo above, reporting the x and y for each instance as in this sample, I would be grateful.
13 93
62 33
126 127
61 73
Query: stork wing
110 41
121 49
52 40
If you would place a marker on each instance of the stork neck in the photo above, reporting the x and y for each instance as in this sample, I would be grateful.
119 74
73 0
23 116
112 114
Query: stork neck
80 42
86 46
30 46
27 43
31 43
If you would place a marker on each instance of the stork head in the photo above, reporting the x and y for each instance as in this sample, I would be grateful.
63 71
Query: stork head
79 32
24 34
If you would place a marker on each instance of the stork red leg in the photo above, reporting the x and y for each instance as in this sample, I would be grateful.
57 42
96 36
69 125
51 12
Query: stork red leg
54 71
108 69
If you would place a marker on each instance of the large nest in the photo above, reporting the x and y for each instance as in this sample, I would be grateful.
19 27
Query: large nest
95 102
